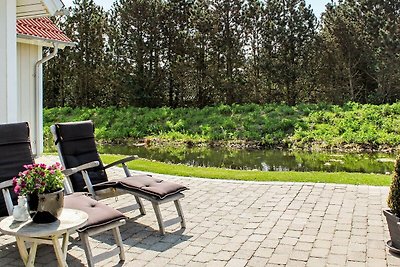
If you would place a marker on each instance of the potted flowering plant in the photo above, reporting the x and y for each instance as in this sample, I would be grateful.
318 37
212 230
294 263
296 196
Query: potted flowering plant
44 189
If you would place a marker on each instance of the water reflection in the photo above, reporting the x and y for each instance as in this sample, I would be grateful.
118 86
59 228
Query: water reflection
267 160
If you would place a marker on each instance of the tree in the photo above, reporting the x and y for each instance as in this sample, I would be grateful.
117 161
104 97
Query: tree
227 43
254 21
289 46
174 23
360 37
88 24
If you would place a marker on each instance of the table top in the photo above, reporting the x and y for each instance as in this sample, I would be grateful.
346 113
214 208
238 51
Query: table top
70 219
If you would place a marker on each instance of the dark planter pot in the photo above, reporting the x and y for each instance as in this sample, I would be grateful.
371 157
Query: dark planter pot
47 207
394 231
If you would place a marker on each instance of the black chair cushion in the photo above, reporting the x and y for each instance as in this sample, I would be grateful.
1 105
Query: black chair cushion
15 152
78 147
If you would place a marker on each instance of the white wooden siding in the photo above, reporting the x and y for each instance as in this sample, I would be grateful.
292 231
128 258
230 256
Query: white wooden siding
28 55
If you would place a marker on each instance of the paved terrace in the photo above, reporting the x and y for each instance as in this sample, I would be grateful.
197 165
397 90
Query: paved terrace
233 223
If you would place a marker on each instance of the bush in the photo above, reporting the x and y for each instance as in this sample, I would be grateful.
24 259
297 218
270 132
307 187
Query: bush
394 193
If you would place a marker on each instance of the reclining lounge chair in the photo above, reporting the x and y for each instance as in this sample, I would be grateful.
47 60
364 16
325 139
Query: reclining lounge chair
15 151
76 146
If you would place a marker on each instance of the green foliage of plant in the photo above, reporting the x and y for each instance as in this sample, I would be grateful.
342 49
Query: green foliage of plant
268 125
372 125
394 192
218 173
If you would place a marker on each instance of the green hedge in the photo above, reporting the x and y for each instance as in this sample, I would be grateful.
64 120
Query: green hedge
267 125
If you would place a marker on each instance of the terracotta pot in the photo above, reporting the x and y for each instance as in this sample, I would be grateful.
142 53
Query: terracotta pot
47 207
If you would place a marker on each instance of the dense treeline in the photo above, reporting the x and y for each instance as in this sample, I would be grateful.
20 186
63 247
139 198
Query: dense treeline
304 126
177 53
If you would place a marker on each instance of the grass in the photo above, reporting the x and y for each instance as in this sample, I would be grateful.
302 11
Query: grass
217 173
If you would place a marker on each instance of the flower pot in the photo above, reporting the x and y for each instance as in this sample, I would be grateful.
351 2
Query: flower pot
394 231
47 207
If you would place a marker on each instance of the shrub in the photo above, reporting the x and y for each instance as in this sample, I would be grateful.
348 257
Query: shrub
394 193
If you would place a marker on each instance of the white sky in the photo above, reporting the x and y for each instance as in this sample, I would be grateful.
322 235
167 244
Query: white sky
317 5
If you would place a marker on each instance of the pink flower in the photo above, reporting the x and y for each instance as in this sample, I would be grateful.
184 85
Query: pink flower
37 178
17 189
28 167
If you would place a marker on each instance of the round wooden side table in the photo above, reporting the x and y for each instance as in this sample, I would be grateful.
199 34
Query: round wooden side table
46 233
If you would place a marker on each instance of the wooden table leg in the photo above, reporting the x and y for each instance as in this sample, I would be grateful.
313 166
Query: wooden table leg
65 242
28 258
32 255
59 252
23 252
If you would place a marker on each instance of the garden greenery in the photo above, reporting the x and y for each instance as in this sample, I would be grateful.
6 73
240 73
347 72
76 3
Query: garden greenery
270 125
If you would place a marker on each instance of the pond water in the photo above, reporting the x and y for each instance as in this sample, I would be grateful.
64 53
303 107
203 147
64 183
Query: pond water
267 160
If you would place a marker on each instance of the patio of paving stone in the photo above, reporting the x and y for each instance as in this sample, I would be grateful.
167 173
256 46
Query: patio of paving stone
231 223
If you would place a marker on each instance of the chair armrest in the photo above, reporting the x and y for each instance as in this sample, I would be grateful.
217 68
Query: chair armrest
82 167
6 184
121 161
5 189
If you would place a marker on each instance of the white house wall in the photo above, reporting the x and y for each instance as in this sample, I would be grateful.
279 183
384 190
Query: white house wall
28 109
8 62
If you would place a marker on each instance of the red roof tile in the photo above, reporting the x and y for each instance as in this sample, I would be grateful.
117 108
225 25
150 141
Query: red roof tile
41 28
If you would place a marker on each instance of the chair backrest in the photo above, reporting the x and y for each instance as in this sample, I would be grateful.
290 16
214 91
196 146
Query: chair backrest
76 146
15 151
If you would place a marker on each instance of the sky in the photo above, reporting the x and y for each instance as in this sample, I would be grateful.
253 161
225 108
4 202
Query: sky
317 5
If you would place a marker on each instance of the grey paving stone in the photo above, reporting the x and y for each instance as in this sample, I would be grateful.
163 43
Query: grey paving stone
316 262
224 255
279 259
235 223
299 255
236 263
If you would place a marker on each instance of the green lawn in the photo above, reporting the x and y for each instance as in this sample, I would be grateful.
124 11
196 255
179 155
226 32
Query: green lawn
218 173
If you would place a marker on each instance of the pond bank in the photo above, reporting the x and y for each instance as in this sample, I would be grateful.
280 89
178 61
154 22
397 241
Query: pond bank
312 127
243 144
